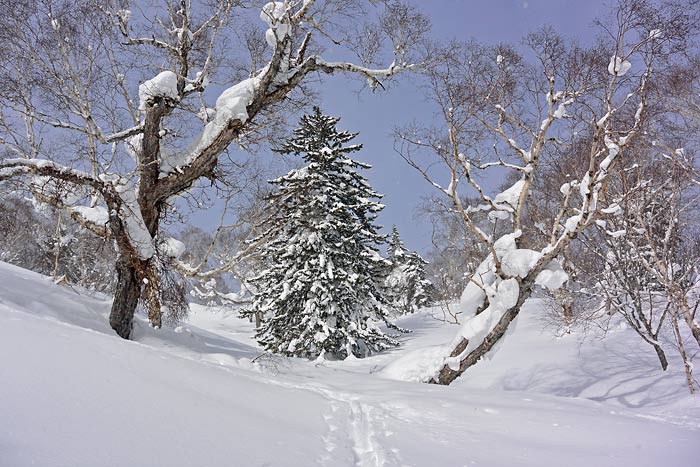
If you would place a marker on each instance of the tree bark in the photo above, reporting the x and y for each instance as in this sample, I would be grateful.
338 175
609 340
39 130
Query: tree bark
126 298
689 317
687 365
662 356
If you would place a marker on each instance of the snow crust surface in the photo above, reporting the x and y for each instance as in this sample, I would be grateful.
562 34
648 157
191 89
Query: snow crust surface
74 394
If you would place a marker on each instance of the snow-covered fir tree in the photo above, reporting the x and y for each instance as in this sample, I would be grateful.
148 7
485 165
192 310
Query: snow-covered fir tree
318 292
406 286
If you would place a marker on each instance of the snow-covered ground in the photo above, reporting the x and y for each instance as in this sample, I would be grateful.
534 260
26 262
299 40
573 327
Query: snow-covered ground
73 394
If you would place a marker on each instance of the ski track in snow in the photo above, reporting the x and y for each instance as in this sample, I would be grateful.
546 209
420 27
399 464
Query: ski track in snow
331 439
367 450
356 428
360 422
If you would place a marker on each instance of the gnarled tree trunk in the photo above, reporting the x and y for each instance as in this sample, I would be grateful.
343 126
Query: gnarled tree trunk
126 298
137 279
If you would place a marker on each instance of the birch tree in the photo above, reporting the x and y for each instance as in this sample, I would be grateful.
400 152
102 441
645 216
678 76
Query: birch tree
501 113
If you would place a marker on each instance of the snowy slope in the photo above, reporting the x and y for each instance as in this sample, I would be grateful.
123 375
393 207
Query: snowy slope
73 394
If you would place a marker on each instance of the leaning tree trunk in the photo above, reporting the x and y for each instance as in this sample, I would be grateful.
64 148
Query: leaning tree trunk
126 298
447 375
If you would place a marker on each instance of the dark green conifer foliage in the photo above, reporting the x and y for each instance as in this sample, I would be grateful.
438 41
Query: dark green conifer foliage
318 293
406 286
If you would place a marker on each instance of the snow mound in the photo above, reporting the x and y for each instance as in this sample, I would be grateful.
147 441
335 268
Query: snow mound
418 366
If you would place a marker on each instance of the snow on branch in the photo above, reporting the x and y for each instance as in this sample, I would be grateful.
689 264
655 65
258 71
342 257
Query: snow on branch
163 85
123 134
94 219
603 157
372 75
44 188
131 217
43 167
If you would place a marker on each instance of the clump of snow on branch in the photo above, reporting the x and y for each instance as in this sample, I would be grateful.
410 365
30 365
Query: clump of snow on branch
49 187
124 15
164 84
552 277
616 233
572 222
501 294
275 15
565 189
97 215
564 100
451 189
134 145
519 261
507 201
206 114
172 247
618 66
613 150
231 105
614 209
172 162
561 110
200 82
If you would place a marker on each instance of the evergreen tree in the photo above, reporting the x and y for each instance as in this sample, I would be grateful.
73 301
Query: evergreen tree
407 288
318 291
